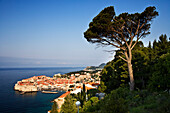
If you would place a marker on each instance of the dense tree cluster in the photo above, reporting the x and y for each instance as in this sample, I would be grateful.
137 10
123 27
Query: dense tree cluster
121 100
151 67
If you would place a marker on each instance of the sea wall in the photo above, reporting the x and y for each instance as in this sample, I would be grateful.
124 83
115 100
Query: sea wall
24 88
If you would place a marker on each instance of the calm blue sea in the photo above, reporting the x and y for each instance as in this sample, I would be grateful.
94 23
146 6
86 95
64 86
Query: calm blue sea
12 102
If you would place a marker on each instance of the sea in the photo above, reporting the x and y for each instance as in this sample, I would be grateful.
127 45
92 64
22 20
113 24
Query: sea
13 102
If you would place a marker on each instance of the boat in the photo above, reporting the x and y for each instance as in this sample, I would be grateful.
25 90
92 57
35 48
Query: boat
23 92
48 92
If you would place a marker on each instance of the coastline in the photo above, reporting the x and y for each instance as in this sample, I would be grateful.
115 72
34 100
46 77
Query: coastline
71 82
65 82
31 102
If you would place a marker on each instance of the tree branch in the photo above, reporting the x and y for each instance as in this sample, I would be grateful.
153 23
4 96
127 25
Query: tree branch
135 43
126 55
116 36
122 53
128 31
137 28
122 58
135 33
143 24
113 44
116 31
131 21
109 43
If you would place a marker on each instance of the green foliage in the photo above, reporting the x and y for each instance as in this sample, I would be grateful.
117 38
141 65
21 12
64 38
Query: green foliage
92 92
162 46
115 74
100 24
122 100
150 69
143 101
102 87
141 67
110 104
152 103
69 105
82 96
89 106
114 103
108 75
54 108
105 27
160 81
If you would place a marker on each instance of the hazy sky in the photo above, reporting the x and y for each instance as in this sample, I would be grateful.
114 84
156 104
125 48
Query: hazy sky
48 33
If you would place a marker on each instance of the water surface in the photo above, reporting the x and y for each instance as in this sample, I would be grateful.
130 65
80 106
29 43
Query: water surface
12 102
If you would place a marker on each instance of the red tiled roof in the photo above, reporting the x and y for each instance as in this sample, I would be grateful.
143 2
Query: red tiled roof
44 83
65 94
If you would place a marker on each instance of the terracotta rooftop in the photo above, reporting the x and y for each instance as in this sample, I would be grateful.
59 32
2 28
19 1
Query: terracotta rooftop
65 94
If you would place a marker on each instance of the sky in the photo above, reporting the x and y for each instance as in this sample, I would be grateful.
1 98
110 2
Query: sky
49 33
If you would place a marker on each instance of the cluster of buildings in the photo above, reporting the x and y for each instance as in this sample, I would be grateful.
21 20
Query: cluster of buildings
66 82
39 83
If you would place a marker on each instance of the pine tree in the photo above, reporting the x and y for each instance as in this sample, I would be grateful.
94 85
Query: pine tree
107 29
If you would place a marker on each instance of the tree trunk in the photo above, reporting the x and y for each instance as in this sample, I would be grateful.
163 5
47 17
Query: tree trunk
130 75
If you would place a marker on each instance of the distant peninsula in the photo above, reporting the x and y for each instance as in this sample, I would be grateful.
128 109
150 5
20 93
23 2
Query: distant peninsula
65 82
